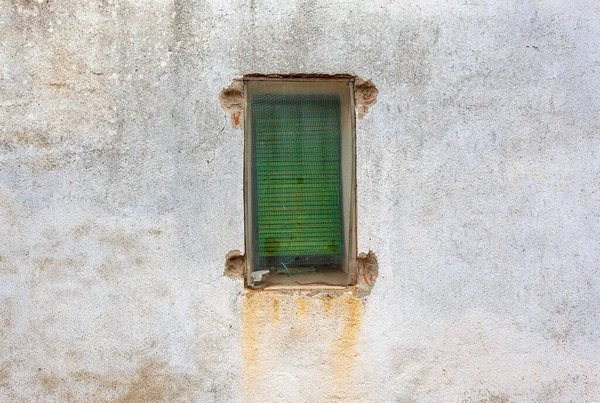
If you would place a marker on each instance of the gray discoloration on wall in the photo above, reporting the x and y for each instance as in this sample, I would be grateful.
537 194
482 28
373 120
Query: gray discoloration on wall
121 190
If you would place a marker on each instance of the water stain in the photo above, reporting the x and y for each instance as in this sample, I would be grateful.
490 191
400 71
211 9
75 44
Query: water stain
6 268
50 382
5 374
81 231
121 239
152 383
7 311
52 268
32 139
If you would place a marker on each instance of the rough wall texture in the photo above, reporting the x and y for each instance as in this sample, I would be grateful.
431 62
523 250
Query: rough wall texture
121 192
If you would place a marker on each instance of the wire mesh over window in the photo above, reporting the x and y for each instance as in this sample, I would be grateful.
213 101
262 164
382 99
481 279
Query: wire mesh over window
296 180
299 181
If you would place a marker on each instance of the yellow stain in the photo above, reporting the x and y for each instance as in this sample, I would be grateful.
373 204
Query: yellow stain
277 323
276 308
344 349
328 301
301 308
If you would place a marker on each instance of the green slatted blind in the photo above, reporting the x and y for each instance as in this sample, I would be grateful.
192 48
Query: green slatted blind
297 212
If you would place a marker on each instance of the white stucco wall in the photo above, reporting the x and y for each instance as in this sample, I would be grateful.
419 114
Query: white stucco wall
121 194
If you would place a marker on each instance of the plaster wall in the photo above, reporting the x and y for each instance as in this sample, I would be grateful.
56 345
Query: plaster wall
121 194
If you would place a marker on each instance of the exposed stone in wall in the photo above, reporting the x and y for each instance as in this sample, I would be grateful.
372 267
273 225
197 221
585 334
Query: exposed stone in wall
368 270
365 96
232 97
232 102
235 265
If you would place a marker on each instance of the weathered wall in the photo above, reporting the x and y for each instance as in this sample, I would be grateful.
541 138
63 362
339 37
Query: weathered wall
121 194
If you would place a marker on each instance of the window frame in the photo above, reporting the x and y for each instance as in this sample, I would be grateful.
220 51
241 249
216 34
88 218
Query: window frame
347 177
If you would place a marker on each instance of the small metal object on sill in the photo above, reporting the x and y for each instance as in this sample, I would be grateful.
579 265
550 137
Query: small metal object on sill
257 276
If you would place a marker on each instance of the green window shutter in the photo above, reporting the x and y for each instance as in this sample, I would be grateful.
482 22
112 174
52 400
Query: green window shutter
297 213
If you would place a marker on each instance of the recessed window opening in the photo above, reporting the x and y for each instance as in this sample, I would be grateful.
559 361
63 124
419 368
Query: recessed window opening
299 181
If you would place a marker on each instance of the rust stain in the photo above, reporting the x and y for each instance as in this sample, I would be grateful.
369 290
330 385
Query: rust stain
236 118
301 308
344 349
253 305
276 323
328 301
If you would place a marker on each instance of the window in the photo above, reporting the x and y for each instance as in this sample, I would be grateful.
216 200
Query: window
299 181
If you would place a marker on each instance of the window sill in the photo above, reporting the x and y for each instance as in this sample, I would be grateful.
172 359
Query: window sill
328 280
